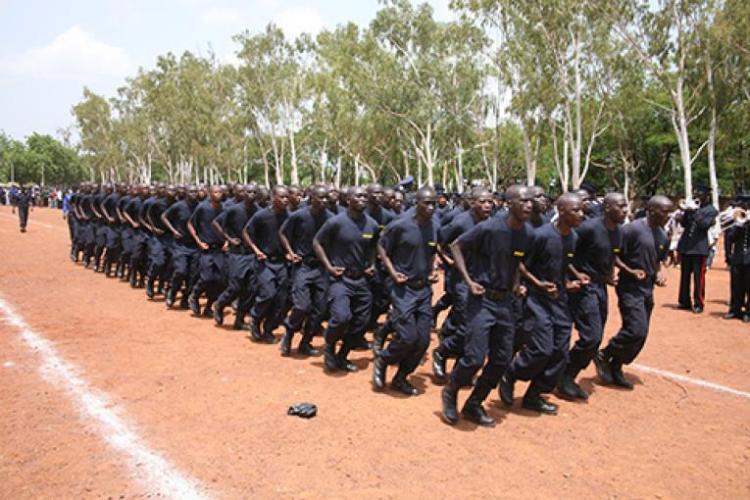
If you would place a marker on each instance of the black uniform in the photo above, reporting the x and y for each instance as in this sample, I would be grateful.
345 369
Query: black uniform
348 243
737 247
643 247
185 253
241 262
492 251
694 250
211 279
595 253
309 279
548 319
411 247
22 201
272 275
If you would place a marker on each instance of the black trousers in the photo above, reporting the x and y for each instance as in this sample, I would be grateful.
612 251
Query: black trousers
636 305
740 289
23 216
692 267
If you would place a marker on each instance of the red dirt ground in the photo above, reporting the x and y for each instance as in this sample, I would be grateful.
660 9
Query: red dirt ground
215 405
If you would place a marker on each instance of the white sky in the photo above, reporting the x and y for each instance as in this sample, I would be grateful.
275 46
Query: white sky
50 49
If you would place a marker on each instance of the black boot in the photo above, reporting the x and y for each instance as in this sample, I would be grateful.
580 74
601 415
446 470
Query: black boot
184 301
533 401
195 307
505 390
378 340
286 341
473 409
618 378
568 389
169 299
603 367
255 330
378 373
218 314
329 357
150 288
402 385
305 347
449 395
341 359
239 322
438 364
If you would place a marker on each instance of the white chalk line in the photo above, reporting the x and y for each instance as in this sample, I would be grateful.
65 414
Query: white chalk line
31 222
154 471
694 381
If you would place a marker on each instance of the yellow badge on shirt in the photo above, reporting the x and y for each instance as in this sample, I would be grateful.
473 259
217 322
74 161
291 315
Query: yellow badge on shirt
570 255
367 236
431 243
616 250
518 254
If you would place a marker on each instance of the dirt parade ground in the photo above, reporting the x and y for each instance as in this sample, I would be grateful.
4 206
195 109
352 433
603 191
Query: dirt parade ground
106 394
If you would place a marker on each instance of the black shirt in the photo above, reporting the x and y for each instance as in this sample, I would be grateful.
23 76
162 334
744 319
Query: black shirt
178 214
643 247
300 229
460 224
201 220
122 202
263 228
492 251
550 255
109 203
133 208
596 249
349 243
382 216
145 207
233 219
158 207
411 246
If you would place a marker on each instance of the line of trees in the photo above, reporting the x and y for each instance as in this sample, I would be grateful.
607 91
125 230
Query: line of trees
635 95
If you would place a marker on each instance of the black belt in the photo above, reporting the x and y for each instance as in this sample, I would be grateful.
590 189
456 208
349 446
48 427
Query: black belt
355 275
417 284
237 250
274 258
496 295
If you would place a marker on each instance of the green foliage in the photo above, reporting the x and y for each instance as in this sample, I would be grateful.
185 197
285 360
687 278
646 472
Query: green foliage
42 159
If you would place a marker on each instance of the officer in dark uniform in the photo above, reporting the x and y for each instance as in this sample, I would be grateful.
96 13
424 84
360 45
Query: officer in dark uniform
644 246
407 250
737 249
694 250
551 276
230 225
126 231
137 266
378 283
85 217
598 247
211 280
161 241
22 202
309 279
112 229
100 226
591 206
185 253
147 234
488 257
345 245
261 233
452 330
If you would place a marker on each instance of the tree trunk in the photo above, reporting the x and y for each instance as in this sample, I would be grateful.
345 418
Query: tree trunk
293 153
338 172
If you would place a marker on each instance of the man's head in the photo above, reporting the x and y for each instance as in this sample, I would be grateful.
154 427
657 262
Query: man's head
702 193
481 201
520 201
615 207
375 194
570 209
318 198
539 204
216 193
356 198
295 196
280 198
659 208
426 200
